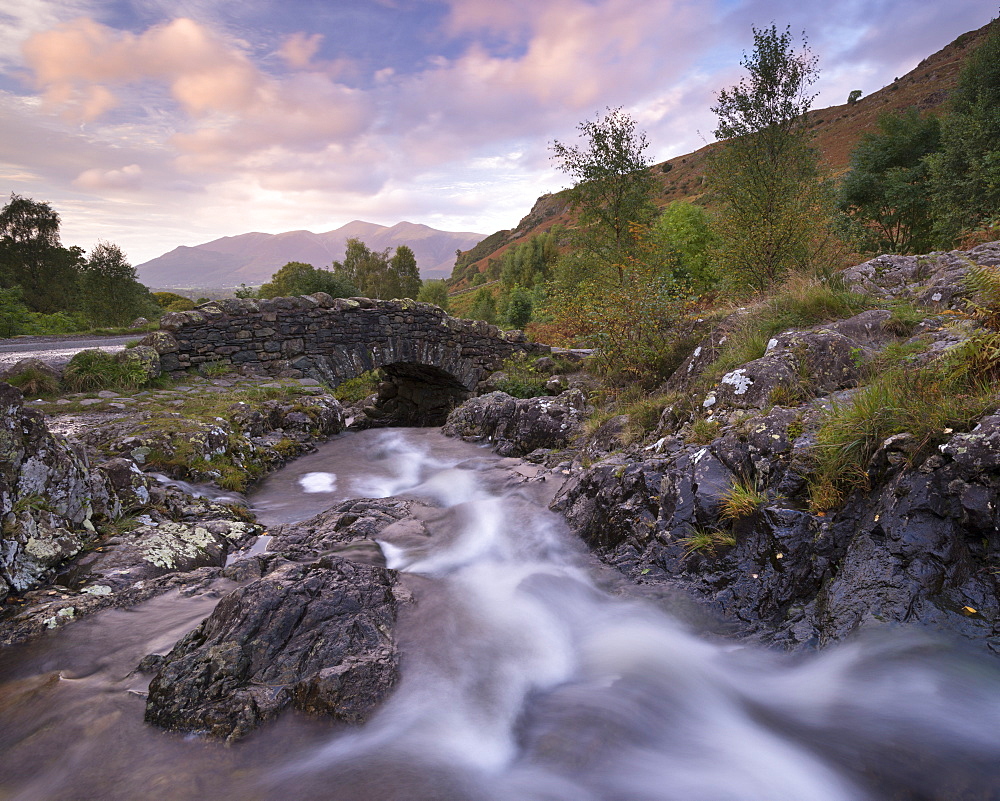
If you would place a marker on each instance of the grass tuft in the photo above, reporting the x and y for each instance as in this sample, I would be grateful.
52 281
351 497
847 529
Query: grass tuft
703 431
707 541
921 402
94 370
742 500
805 300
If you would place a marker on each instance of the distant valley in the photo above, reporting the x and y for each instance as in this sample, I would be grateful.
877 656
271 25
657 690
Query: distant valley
253 258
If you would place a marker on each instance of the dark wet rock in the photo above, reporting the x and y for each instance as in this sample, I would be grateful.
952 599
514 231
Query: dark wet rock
921 547
158 548
519 426
349 521
46 609
317 637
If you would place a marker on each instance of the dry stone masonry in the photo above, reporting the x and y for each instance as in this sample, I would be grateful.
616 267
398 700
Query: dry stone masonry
432 361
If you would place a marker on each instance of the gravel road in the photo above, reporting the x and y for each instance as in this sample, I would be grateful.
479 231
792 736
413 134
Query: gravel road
56 350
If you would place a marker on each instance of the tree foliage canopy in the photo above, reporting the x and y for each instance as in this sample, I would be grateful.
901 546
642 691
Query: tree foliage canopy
775 92
434 291
298 278
774 208
32 258
613 189
887 190
376 275
110 292
965 174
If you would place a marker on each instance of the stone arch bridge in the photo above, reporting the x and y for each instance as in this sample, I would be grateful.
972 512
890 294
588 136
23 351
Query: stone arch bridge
431 361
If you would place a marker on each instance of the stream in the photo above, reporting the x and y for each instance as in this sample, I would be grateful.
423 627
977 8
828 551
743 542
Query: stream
523 679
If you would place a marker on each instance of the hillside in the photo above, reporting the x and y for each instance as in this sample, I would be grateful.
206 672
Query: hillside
836 129
253 258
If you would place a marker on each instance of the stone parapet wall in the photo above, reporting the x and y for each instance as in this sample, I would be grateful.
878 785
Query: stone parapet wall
334 339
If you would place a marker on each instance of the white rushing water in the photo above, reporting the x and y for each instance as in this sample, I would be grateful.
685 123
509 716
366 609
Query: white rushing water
524 680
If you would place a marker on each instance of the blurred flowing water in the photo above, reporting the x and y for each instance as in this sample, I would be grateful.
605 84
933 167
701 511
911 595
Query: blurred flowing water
523 680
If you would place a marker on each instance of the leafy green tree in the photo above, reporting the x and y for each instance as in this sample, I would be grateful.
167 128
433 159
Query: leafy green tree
887 190
404 264
364 268
683 231
14 315
774 209
110 292
965 174
31 256
529 263
298 278
517 308
376 275
614 189
434 291
484 306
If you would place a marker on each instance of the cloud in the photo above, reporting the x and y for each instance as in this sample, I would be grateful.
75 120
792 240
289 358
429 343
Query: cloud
236 109
129 177
298 49
204 73
18 21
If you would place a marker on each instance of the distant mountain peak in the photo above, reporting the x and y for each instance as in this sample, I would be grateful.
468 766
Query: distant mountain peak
253 258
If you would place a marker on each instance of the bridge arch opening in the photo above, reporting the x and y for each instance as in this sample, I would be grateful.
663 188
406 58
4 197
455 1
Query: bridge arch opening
412 394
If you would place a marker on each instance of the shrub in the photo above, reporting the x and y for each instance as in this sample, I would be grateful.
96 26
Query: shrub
358 388
34 382
94 370
521 379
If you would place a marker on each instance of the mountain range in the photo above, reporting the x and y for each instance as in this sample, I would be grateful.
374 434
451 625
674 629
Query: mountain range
253 258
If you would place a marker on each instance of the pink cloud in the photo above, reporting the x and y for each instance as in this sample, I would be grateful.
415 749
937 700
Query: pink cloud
129 178
298 49
204 73
243 109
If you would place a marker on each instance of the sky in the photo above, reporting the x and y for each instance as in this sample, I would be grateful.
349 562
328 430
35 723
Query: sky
158 123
